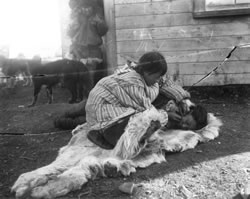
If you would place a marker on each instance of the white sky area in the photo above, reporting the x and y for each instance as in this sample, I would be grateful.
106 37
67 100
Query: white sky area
30 27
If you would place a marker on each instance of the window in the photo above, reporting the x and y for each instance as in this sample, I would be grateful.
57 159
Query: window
214 8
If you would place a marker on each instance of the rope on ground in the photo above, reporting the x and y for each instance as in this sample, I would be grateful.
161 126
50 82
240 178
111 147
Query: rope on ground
34 134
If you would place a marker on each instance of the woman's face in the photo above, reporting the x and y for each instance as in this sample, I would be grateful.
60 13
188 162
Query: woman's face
151 78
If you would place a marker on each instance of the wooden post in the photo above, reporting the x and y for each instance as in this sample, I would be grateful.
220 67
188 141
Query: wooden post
110 38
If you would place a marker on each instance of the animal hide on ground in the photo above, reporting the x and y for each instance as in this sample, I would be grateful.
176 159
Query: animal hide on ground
80 160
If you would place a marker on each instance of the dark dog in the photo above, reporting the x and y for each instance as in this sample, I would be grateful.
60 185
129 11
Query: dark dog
74 75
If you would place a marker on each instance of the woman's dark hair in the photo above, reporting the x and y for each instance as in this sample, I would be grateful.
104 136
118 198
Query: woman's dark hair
199 114
152 62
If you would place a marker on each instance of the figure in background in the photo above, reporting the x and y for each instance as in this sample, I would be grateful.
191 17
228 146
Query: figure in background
86 31
117 97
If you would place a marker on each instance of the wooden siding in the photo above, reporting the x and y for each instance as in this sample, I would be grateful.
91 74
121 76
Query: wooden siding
110 38
192 47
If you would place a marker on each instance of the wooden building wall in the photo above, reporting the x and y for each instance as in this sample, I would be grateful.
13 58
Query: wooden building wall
192 47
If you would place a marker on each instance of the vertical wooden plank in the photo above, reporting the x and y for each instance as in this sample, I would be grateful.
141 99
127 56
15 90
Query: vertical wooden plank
198 7
110 38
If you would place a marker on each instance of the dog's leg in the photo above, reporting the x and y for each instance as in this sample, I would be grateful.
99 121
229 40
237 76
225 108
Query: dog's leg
28 78
80 91
37 88
25 78
71 85
49 94
28 74
87 82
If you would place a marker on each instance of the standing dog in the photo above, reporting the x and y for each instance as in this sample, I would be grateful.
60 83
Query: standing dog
74 75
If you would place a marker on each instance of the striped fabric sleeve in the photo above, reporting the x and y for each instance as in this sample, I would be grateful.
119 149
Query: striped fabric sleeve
136 96
173 91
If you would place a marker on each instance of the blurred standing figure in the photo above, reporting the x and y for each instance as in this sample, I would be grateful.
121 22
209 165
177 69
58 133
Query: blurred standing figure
86 31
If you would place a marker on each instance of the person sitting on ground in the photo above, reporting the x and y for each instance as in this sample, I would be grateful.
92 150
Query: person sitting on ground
116 97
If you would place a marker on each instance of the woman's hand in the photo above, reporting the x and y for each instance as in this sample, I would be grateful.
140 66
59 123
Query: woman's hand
185 106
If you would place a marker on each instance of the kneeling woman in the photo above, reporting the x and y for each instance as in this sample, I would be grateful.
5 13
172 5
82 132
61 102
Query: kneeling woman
116 97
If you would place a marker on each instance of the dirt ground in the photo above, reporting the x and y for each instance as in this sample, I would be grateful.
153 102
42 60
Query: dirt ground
218 169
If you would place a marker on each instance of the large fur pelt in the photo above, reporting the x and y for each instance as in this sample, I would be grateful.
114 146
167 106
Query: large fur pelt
80 160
